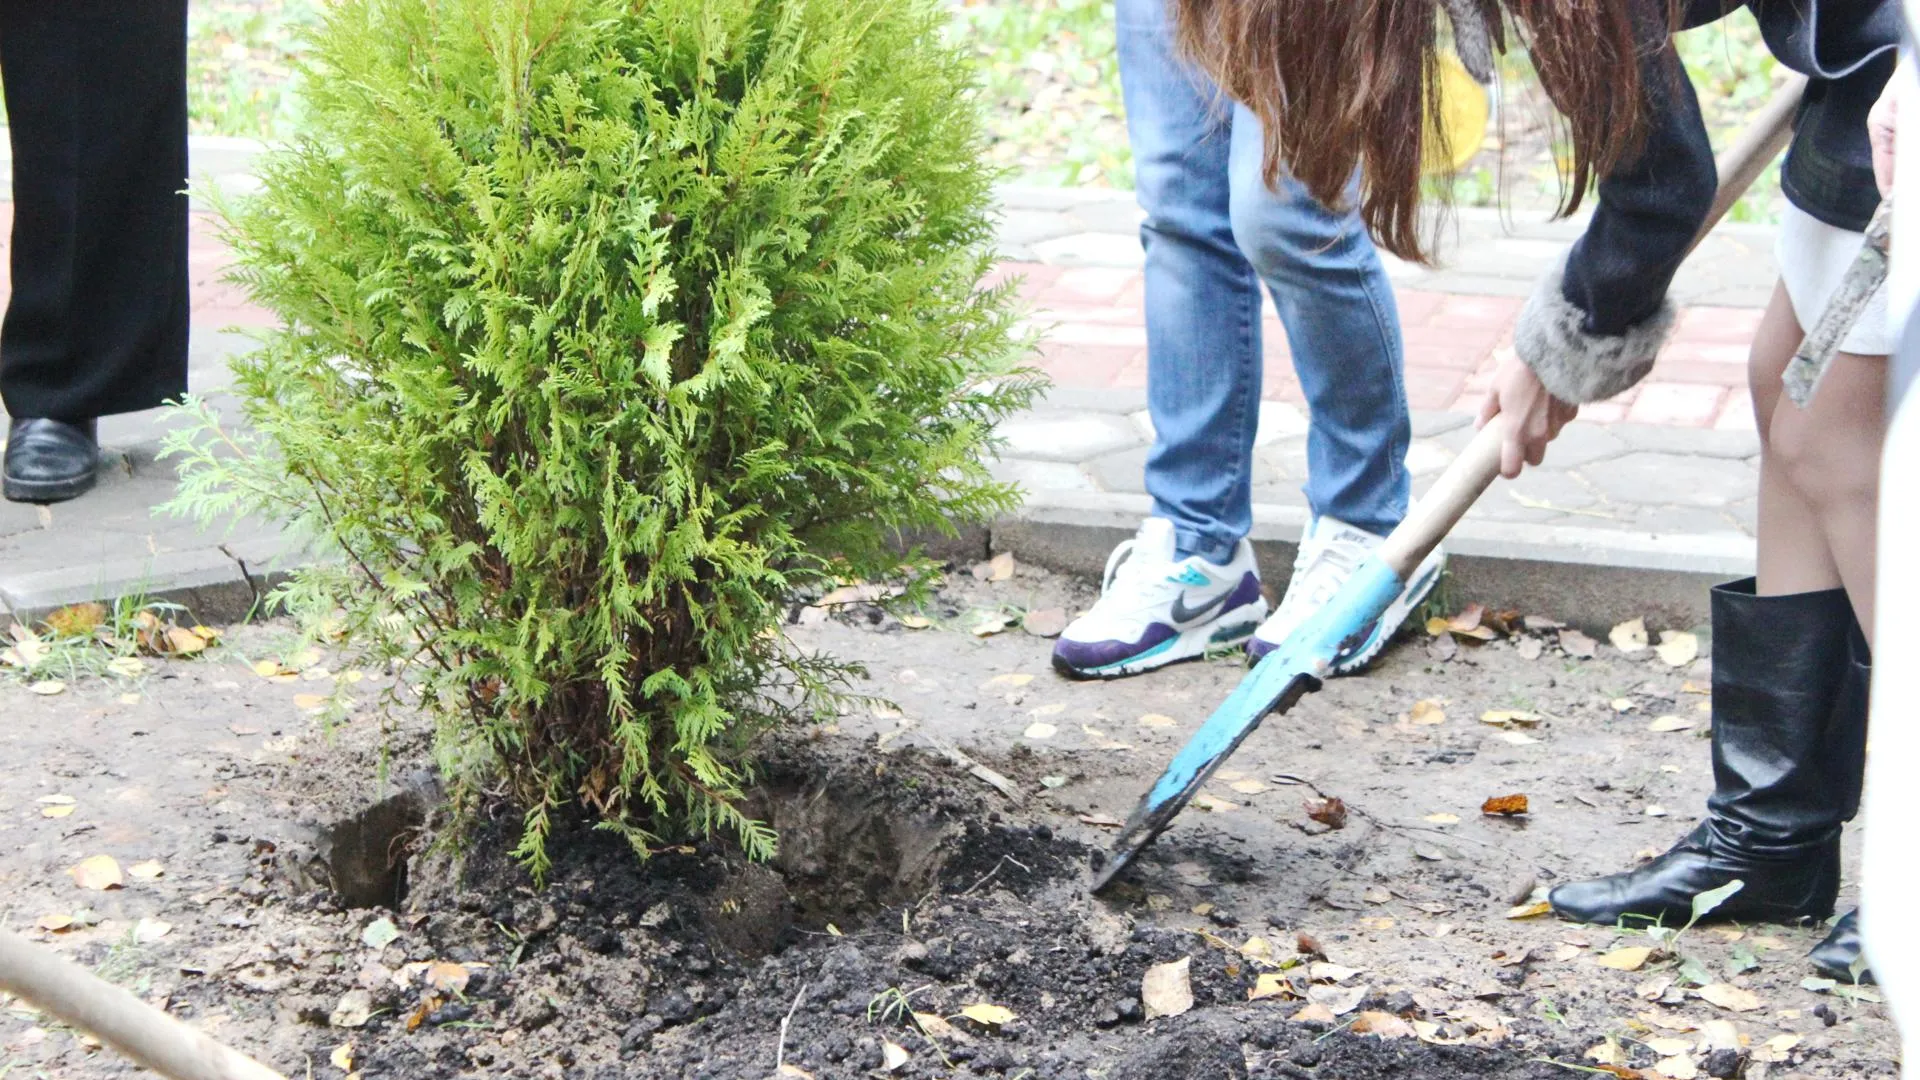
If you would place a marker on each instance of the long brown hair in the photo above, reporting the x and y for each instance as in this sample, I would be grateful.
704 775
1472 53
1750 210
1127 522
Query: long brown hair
1342 84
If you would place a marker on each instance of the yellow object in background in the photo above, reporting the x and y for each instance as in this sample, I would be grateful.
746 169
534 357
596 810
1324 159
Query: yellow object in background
1460 115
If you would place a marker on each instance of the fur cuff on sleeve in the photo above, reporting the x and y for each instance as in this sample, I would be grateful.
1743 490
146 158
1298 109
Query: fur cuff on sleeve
1574 365
1473 39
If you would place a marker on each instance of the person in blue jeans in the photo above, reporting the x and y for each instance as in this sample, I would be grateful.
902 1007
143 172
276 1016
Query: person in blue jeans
1214 234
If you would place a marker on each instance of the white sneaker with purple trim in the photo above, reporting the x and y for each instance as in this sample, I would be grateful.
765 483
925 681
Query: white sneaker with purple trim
1156 609
1330 552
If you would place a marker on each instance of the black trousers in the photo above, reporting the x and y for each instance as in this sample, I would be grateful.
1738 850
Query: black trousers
97 105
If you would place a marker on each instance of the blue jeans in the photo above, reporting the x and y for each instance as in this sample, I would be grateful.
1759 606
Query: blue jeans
1214 233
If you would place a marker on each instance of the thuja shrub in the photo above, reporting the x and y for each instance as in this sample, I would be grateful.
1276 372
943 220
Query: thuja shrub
607 328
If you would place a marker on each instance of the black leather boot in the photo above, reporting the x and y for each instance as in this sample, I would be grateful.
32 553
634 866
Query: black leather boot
1836 956
50 461
1783 781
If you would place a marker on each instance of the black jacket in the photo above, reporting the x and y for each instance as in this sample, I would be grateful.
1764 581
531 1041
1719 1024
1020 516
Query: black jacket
1592 330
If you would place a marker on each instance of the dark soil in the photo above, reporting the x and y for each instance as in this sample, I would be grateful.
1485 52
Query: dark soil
906 885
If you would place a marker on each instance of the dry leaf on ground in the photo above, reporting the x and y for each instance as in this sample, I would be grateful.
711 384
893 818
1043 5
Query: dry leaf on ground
1678 648
1339 1000
990 623
1442 819
77 620
1670 723
58 811
1156 720
1314 1013
1330 811
1629 637
1427 711
1505 805
1632 958
146 871
911 622
1000 567
892 1056
1165 989
353 1010
379 934
1677 1068
1578 645
1270 984
47 687
1510 718
55 924
1529 911
1729 997
1383 1024
1323 971
148 930
990 1015
1009 681
342 1057
99 873
1530 648
1041 730
448 977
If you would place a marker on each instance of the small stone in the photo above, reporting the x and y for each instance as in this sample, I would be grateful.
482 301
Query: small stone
1130 1010
1727 1063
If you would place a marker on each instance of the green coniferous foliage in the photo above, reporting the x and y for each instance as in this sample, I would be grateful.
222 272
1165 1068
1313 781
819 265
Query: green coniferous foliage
607 327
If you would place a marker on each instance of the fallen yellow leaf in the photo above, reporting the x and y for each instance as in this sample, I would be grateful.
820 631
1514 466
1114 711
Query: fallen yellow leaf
1670 723
146 871
1678 648
1270 984
1427 711
54 924
47 687
59 811
991 1015
1629 637
310 702
1729 997
1166 989
342 1057
148 930
1632 958
100 872
448 977
1528 911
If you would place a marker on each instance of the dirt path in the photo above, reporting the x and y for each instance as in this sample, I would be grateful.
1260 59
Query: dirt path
908 887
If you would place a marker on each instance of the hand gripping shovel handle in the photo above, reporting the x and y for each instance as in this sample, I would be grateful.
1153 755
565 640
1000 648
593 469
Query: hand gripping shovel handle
1298 665
1475 469
122 1021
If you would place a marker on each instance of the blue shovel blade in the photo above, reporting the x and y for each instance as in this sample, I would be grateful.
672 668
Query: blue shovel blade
1275 683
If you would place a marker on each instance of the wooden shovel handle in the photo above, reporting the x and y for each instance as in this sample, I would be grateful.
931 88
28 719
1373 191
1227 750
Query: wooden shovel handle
122 1021
1475 469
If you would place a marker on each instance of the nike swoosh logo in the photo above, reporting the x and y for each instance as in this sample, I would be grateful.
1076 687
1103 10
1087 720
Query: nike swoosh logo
1183 614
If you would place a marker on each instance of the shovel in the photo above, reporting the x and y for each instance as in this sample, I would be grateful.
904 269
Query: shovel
1301 662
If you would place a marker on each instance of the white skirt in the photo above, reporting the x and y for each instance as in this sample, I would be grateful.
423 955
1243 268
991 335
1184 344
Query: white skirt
1814 257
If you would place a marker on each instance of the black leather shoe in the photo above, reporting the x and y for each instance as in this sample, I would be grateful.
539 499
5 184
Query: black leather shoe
50 461
1788 732
1835 957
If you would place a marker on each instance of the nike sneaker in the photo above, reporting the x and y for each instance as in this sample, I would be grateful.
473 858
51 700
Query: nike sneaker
1330 552
1156 609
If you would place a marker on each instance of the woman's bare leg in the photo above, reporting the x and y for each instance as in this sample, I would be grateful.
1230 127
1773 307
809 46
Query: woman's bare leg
1819 468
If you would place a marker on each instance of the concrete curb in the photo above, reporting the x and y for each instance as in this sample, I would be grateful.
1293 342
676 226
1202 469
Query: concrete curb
1592 578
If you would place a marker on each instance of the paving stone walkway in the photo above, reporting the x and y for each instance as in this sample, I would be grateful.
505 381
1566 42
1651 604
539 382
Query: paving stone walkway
1661 478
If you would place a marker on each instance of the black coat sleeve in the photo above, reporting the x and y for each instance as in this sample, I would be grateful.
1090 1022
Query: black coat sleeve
1595 324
